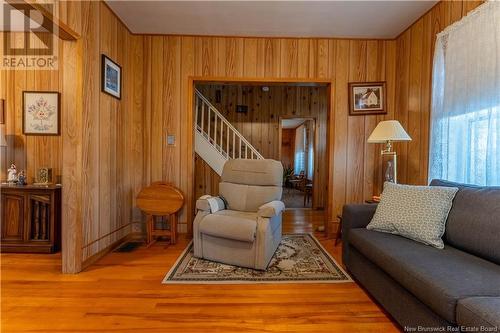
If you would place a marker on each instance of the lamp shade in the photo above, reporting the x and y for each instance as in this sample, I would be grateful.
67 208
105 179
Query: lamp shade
388 130
3 141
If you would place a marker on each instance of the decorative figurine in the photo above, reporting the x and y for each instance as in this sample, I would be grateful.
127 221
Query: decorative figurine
21 178
44 176
12 174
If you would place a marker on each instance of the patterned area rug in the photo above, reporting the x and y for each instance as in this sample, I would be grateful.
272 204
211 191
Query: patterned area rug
300 258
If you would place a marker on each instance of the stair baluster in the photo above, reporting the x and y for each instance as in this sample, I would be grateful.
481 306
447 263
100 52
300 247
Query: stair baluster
207 137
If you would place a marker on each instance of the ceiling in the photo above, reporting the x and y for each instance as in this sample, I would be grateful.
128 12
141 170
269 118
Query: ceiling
348 19
292 122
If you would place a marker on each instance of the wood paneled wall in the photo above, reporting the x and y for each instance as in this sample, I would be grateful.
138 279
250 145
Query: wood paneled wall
108 148
404 63
261 125
288 146
172 60
112 130
415 50
28 152
112 146
100 151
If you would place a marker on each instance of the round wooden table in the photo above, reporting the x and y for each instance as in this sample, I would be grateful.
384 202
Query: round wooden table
160 199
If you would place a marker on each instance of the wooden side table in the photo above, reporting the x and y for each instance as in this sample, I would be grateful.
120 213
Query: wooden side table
160 199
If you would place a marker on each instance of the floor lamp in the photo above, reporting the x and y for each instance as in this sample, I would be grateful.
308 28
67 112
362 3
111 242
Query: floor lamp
387 132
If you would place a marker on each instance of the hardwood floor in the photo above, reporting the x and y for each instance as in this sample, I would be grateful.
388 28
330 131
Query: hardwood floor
122 292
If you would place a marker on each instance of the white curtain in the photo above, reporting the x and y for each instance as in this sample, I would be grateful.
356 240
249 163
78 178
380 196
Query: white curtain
310 150
299 163
465 115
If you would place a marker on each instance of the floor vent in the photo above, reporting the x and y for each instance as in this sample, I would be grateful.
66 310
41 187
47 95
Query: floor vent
129 247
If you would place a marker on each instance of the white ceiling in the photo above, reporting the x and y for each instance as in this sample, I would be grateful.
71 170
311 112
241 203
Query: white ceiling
292 123
356 19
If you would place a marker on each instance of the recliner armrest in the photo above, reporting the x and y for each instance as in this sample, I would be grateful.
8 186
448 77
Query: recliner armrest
202 204
270 209
208 203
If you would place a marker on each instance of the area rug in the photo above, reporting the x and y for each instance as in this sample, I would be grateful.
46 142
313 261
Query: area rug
300 258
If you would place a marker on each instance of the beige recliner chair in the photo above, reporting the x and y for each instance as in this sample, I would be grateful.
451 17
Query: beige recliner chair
247 232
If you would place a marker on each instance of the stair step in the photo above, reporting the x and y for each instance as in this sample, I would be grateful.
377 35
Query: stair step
212 122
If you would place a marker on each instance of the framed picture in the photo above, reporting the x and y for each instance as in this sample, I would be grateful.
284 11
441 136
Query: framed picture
111 82
366 98
41 113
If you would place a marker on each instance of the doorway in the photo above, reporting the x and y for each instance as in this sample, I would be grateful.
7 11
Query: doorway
297 154
255 108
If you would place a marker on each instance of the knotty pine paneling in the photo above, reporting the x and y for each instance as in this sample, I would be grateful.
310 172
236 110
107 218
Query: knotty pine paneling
260 126
288 146
415 50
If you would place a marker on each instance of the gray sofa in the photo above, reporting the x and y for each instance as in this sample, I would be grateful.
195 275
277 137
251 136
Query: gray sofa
420 285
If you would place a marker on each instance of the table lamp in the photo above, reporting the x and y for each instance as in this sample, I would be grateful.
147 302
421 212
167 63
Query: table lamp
389 131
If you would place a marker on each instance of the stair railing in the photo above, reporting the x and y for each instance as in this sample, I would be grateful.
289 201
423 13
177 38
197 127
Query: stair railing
219 132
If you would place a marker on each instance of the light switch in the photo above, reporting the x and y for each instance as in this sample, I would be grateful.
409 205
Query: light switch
171 140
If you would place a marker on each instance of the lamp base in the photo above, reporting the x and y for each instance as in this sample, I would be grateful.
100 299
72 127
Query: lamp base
389 168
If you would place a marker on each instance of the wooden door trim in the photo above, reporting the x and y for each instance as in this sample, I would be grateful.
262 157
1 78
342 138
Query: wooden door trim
315 142
192 80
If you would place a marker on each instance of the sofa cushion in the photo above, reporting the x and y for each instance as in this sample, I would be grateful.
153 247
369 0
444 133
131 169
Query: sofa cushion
423 217
230 224
248 198
473 223
439 278
479 312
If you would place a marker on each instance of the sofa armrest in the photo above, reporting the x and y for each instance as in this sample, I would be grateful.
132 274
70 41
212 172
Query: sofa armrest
354 216
357 215
270 209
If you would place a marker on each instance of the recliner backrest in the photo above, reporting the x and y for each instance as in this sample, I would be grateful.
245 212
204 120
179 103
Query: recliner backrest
248 184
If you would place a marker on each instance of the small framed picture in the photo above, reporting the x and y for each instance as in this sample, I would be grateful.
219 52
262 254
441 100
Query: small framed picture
366 98
41 113
111 77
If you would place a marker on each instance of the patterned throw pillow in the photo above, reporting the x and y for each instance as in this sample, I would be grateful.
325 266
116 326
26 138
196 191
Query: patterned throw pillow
415 212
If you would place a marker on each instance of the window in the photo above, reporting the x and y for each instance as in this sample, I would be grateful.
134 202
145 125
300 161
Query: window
300 147
468 148
465 115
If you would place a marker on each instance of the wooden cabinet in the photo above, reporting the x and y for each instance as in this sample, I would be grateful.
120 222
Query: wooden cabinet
31 218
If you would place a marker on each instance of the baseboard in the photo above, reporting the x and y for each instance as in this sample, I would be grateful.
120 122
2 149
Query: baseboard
94 258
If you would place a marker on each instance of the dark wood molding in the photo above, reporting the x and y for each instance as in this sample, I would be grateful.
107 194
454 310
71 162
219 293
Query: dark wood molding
50 21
